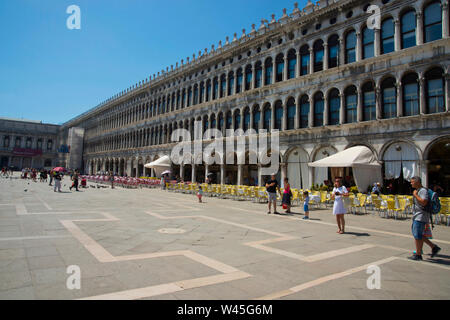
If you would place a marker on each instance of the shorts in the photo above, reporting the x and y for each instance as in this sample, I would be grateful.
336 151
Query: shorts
272 196
418 229
305 208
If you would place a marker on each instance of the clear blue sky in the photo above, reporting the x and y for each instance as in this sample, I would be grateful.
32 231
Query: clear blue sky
51 73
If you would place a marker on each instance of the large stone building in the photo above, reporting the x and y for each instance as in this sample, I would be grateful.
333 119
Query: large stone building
27 144
329 77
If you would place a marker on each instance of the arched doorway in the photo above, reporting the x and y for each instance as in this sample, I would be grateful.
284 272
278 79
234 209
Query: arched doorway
401 161
297 169
438 162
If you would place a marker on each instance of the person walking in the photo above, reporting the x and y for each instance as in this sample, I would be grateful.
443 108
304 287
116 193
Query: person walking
427 236
421 217
75 178
287 194
272 188
339 192
111 178
58 179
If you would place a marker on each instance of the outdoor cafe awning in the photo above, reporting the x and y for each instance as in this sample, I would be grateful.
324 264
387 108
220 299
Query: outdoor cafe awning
366 169
159 165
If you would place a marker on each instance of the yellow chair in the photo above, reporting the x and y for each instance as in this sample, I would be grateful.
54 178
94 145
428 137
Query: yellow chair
391 207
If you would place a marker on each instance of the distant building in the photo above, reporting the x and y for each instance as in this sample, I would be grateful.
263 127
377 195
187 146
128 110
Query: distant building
27 143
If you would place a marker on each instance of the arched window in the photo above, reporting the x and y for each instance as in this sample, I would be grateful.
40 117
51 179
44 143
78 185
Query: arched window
39 144
410 95
229 121
351 102
278 115
267 117
248 77
239 81
318 55
215 88
318 109
389 98
291 112
279 61
408 29
183 99
369 106
208 90
256 117
28 143
223 85
49 144
195 94
435 90
178 103
268 71
304 60
433 21
189 96
237 119
304 111
230 83
387 36
350 47
246 119
258 74
292 64
368 43
333 51
334 102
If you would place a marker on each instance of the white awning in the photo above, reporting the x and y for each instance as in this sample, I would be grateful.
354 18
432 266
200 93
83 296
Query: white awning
366 169
160 165
161 162
359 156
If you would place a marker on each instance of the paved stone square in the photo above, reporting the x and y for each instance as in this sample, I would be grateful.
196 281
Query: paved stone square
154 244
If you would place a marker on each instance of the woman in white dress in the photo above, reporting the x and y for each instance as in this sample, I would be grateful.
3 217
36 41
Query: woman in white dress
339 210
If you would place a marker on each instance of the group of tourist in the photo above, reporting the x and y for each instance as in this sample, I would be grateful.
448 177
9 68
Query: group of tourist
421 228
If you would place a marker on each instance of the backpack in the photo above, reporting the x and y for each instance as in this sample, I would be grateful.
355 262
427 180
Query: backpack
434 204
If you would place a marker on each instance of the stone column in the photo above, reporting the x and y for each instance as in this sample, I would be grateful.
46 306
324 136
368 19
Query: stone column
274 70
419 28
377 44
260 182
311 113
399 100
252 85
227 78
211 91
206 170
447 91
445 20
397 35
342 109
378 111
286 68
297 66
297 114
283 167
422 95
359 107
325 56
194 178
239 175
311 61
284 119
251 120
222 174
182 171
263 78
326 109
272 117
358 46
341 52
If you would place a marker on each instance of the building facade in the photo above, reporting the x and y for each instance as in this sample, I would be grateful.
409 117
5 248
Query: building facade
27 144
329 77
